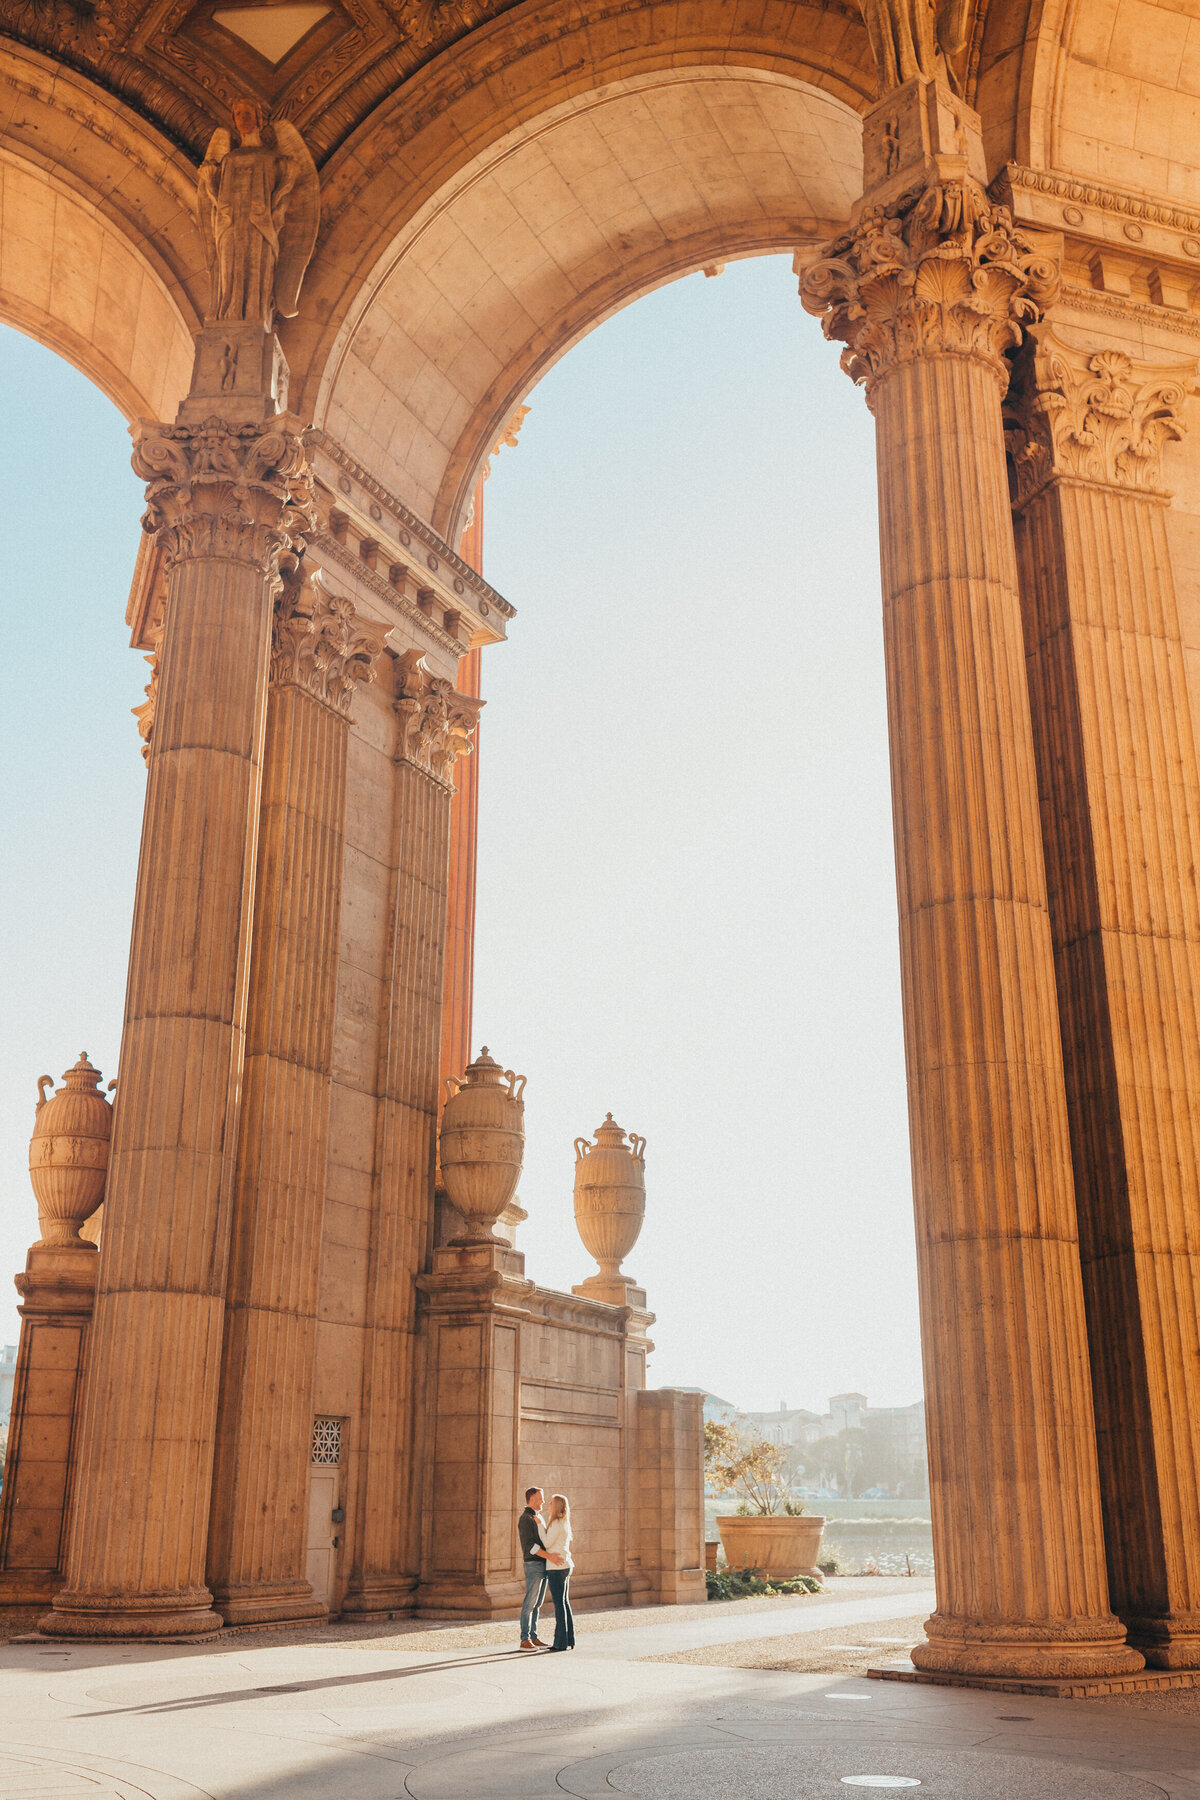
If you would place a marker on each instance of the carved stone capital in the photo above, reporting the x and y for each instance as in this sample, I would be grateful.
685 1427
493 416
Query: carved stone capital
941 271
436 723
1092 415
214 489
320 645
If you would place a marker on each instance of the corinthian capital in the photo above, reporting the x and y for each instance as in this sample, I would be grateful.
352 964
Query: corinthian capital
241 491
436 722
940 271
319 643
1092 415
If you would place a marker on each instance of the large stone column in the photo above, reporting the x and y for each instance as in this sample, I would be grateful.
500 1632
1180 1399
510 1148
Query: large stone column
1120 793
256 1564
928 290
226 500
434 724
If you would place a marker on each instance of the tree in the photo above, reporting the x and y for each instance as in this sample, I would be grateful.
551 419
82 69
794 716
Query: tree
746 1465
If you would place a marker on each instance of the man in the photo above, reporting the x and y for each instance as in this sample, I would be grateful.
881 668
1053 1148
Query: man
533 1555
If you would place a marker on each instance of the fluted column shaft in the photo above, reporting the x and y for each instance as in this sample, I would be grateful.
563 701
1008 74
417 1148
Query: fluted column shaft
928 296
258 1536
433 726
1120 793
224 501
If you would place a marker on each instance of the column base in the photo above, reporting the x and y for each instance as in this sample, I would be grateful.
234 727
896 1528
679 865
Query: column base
1079 1687
1166 1640
380 1596
186 1612
1050 1649
269 1603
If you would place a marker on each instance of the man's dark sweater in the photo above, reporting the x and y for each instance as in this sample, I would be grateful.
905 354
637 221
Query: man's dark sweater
530 1536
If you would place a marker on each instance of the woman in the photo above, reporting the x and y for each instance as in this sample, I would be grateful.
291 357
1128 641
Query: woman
557 1539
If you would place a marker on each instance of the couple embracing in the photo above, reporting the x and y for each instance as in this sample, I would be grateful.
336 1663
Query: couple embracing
546 1553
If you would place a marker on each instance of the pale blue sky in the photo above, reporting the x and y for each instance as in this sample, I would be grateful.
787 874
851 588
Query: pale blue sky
687 906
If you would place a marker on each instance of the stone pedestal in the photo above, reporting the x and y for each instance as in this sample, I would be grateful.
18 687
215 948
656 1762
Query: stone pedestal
257 1545
928 292
57 1290
525 1387
226 501
1120 795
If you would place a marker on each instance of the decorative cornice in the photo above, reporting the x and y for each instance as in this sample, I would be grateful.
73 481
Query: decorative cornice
435 723
320 645
237 491
939 272
1118 306
1092 415
1092 193
333 551
409 521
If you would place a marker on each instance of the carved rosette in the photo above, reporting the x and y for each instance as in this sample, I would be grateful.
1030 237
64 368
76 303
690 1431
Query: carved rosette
939 272
238 491
1094 416
319 644
435 722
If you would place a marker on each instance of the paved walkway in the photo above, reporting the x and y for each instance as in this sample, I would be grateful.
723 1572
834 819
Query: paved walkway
406 1718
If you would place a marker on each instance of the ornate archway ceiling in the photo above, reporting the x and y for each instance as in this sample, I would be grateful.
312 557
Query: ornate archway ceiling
324 64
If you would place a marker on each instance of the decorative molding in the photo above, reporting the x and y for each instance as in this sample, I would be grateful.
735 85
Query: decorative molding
411 522
144 714
1117 306
1092 415
240 491
320 645
939 272
346 559
435 723
1091 193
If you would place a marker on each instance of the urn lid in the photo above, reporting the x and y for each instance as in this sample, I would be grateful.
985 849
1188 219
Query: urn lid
610 1136
485 1071
81 1077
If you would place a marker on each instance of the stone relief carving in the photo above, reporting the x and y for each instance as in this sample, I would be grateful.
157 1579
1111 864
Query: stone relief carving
224 490
1094 415
258 207
320 644
915 37
435 722
144 714
941 271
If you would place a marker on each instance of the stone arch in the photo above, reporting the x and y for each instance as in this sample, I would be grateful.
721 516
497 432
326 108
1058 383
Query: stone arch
552 228
99 258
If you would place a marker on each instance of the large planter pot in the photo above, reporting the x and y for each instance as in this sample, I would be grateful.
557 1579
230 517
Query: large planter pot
610 1193
779 1546
68 1153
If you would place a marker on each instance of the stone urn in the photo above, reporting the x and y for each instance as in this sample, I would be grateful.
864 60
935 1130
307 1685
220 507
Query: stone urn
482 1145
68 1152
610 1194
774 1544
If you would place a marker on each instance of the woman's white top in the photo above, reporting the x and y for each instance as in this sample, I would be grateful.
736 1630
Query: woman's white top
557 1538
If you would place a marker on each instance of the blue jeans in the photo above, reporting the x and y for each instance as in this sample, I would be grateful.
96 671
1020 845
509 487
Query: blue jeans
535 1593
564 1618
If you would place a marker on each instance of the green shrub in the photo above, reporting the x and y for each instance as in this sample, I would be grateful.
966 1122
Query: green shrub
740 1584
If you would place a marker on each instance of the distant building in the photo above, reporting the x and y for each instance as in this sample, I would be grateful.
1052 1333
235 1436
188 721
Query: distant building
896 1433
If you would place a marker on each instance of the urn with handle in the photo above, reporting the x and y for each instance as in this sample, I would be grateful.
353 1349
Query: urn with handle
610 1193
482 1145
68 1152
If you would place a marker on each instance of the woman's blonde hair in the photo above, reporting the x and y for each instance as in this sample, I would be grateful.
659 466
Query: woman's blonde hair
560 1507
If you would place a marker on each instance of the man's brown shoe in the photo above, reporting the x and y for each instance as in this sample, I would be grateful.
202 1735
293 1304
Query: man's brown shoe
538 1644
527 1644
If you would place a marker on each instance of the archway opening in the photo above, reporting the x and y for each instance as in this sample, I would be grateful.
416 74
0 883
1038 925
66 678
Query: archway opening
687 899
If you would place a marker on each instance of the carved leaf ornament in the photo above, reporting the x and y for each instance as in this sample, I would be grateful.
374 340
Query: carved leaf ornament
218 489
320 645
939 272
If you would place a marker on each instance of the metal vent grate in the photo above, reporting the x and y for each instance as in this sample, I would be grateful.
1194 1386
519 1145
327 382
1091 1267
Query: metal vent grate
327 1441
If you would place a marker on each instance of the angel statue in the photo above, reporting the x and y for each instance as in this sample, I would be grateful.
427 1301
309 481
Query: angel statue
258 208
915 37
